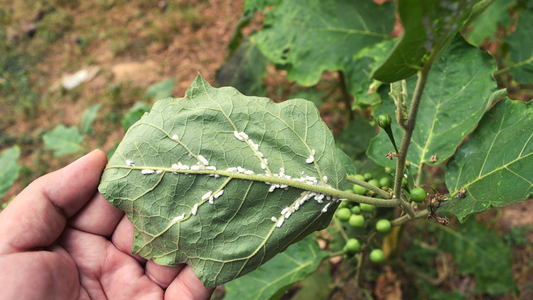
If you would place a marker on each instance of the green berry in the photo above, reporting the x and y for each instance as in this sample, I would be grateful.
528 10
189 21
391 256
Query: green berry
356 221
353 245
385 182
367 207
384 120
374 182
359 190
349 191
405 183
377 256
343 204
360 177
418 195
355 210
383 226
344 214
389 171
367 176
372 194
407 164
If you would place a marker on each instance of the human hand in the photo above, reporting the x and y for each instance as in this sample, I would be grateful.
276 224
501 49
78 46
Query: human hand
60 239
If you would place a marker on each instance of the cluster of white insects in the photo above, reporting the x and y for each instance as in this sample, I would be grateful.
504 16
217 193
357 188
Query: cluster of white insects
210 196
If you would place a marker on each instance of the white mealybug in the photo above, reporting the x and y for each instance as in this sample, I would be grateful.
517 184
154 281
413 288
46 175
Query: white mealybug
194 209
280 222
146 172
274 219
175 167
232 170
325 179
159 171
260 154
328 197
130 163
272 188
212 168
286 209
178 218
240 169
256 147
263 166
175 137
196 168
211 201
325 209
207 195
266 161
313 152
249 172
203 160
238 136
288 214
297 205
244 135
217 176
217 195
310 160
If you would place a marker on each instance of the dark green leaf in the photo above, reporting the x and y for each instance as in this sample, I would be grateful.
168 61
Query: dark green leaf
311 94
521 49
486 25
161 89
427 24
479 250
313 36
244 71
274 278
459 90
236 234
254 5
63 140
354 140
495 164
9 172
89 115
134 115
346 162
316 286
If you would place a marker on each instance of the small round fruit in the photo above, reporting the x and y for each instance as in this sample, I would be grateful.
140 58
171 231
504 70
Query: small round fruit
418 195
372 194
343 204
359 190
385 182
355 210
367 207
405 183
353 245
344 214
374 182
356 221
389 171
360 177
407 164
377 256
384 120
383 226
367 176
349 191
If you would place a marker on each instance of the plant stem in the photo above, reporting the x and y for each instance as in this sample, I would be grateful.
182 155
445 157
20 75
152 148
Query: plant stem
360 266
341 230
404 219
367 185
419 174
338 253
346 97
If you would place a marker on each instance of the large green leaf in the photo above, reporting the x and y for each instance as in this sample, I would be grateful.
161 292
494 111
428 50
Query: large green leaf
63 140
161 89
244 71
313 36
89 115
238 232
486 25
134 114
316 286
495 164
9 172
427 24
459 90
354 140
521 49
273 279
479 250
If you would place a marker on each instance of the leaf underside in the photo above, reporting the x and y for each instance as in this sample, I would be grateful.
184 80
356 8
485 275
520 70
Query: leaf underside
236 234
495 164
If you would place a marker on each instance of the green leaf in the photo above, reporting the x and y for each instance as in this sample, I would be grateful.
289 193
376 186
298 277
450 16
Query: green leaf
9 172
254 5
479 250
429 25
134 115
316 286
312 94
459 90
313 36
486 24
244 71
236 234
89 115
494 165
273 279
161 89
63 140
354 140
346 162
521 49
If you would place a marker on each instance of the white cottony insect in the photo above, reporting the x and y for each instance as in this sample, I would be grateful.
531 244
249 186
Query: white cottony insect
219 194
197 168
297 205
232 170
211 201
260 154
249 172
194 209
146 172
238 136
212 168
280 222
325 179
263 166
175 167
310 160
217 176
203 160
266 161
244 135
313 152
175 137
256 147
274 219
286 209
130 163
159 171
288 214
325 209
178 218
207 195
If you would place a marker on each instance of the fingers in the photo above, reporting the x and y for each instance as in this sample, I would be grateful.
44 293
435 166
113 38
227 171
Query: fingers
97 217
37 216
123 238
187 286
162 275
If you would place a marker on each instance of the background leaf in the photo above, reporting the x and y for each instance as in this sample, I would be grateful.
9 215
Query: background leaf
459 90
479 250
494 165
311 94
89 115
235 235
244 71
346 162
273 279
313 36
161 89
9 172
486 24
134 114
63 140
354 140
316 286
521 49
427 24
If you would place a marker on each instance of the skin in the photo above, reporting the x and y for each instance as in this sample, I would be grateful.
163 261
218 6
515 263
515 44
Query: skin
60 239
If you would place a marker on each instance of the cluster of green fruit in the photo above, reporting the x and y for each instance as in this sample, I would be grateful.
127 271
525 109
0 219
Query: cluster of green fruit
384 182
